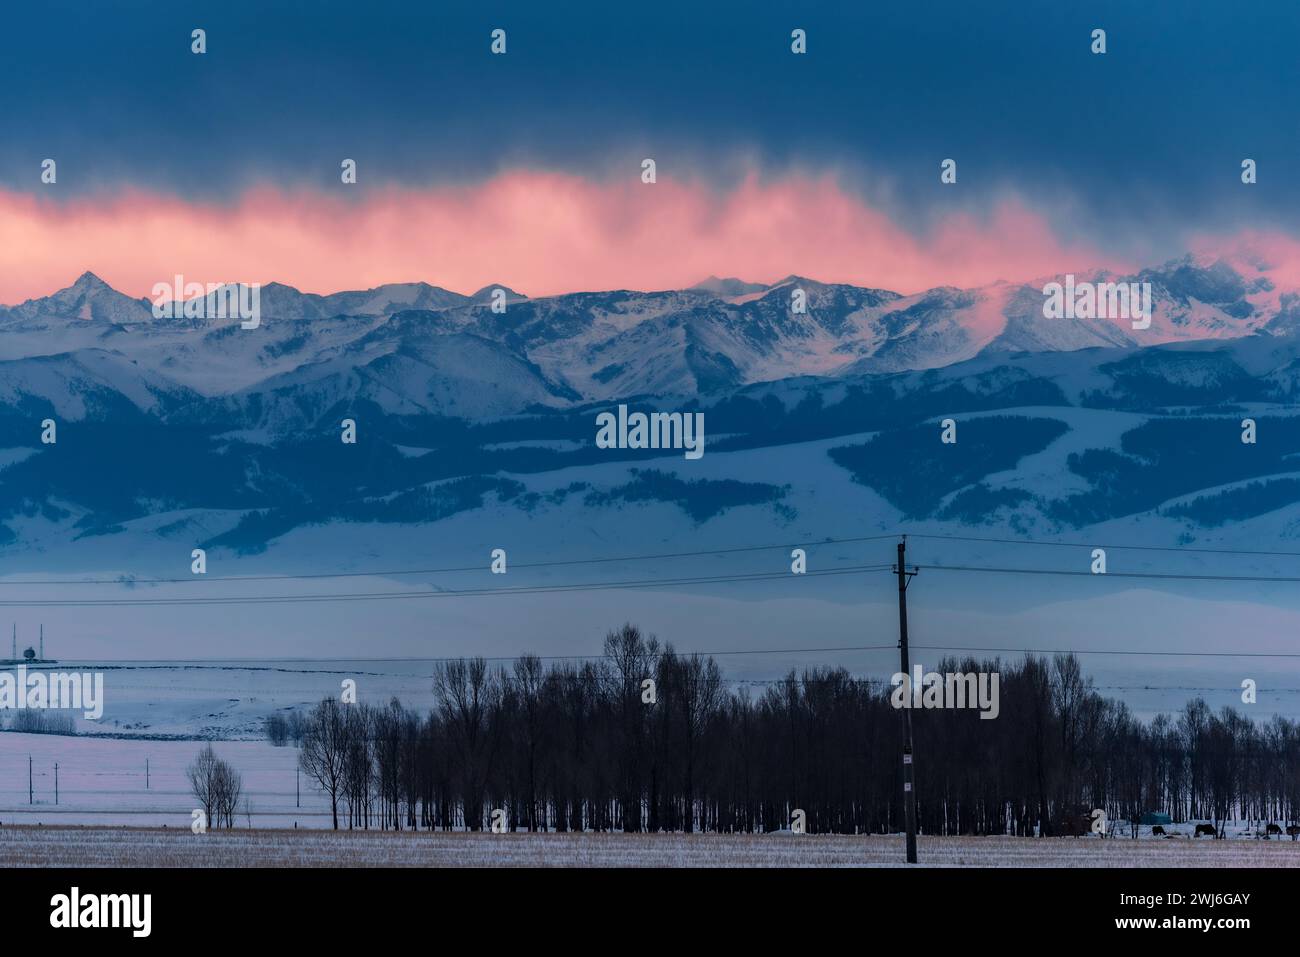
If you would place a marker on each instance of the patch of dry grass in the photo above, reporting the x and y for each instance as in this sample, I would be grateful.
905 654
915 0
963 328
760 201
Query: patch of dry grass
31 846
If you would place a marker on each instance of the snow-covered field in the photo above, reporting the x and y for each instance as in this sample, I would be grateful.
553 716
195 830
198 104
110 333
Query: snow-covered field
102 782
218 700
81 847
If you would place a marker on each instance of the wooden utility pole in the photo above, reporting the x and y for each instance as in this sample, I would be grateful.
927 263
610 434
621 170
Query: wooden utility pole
30 796
297 787
56 782
146 774
909 772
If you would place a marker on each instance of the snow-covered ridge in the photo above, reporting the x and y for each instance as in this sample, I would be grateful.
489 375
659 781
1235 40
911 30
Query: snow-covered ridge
418 347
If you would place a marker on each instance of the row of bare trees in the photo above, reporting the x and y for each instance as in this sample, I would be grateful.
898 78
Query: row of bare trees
282 729
646 739
1060 747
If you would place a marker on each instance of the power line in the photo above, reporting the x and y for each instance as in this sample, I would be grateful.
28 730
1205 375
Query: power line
871 680
1167 576
441 593
1230 690
1114 651
616 559
603 586
1143 548
659 556
198 664
397 572
395 679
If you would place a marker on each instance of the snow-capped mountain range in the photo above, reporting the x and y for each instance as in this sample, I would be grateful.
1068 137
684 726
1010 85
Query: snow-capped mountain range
229 437
416 348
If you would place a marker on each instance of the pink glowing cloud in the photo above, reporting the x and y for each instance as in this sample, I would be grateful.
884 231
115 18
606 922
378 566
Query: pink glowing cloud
1273 253
541 233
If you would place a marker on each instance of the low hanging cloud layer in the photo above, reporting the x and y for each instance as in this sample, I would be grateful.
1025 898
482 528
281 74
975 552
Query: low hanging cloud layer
541 233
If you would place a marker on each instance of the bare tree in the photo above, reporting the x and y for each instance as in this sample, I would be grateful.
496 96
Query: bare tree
699 694
632 659
528 680
470 697
360 731
229 787
204 783
325 750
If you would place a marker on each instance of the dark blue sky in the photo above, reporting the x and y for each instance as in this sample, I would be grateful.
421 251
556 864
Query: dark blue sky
1145 139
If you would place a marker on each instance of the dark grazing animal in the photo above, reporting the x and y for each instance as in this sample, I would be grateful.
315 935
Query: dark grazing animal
1273 829
1157 830
1206 829
1293 830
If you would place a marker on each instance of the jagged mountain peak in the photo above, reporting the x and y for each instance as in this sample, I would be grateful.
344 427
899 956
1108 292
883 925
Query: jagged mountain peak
88 281
87 298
